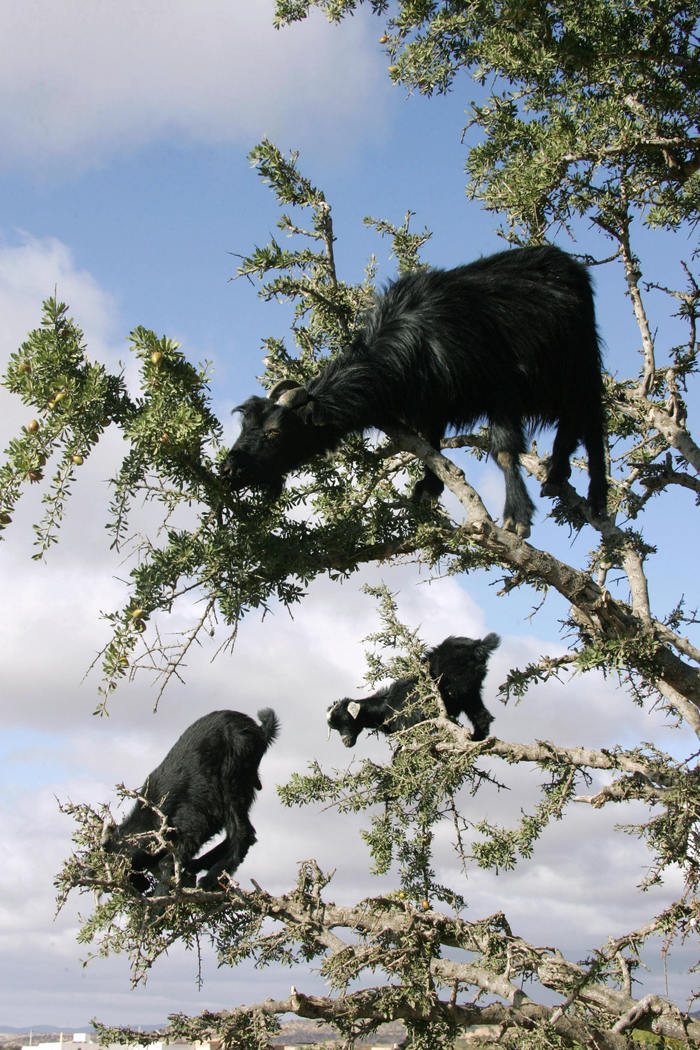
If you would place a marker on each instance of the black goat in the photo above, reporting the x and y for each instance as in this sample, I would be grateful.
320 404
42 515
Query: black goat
205 784
458 665
510 338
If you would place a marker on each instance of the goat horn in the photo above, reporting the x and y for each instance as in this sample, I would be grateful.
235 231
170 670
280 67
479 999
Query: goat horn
294 398
280 386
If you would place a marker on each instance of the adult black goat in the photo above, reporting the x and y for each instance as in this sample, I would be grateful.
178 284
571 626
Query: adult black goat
205 784
458 665
510 338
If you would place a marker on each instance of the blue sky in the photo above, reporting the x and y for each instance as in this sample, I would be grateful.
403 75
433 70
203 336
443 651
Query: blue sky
124 183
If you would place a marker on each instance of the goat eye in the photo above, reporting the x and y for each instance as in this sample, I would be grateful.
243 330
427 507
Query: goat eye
271 432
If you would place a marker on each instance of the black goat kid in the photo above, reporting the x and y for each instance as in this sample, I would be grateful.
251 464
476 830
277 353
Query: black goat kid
510 339
458 665
205 784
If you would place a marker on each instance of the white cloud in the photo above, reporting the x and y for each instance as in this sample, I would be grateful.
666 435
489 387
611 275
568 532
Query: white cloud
80 81
31 269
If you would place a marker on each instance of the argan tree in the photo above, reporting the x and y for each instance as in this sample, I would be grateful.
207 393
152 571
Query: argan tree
589 117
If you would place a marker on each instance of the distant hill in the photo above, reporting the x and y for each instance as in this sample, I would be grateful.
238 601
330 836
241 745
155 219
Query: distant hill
42 1029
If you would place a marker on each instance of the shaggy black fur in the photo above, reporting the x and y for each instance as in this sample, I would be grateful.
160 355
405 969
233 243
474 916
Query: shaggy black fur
459 667
510 339
205 784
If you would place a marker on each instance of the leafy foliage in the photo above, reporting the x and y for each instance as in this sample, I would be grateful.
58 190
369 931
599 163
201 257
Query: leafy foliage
591 109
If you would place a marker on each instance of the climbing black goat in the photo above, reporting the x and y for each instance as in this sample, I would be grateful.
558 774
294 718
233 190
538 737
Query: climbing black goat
205 784
510 339
459 667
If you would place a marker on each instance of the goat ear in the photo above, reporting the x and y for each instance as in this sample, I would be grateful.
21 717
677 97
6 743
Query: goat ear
353 709
315 413
108 827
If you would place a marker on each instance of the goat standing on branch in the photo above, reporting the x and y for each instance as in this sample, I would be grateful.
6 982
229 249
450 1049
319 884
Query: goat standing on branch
458 665
205 784
510 338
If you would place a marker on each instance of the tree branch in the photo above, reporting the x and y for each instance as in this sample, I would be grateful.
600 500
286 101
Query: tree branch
593 606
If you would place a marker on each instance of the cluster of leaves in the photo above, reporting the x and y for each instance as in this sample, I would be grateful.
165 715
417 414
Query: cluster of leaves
75 400
590 105
410 796
236 554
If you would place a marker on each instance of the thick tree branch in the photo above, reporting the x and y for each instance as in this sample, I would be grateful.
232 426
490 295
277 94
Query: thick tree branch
633 402
593 606
656 774
384 1003
392 921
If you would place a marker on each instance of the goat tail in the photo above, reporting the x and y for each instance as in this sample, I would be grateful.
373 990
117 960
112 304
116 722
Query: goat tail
270 725
491 641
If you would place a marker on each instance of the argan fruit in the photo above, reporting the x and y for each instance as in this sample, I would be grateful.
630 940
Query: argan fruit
77 459
32 426
156 357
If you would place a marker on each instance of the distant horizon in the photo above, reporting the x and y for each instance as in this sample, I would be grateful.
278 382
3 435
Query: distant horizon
45 1029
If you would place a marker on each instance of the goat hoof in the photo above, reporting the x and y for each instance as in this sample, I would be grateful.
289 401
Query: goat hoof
520 528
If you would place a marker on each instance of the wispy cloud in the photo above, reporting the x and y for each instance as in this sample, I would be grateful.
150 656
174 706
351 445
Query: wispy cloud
81 81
